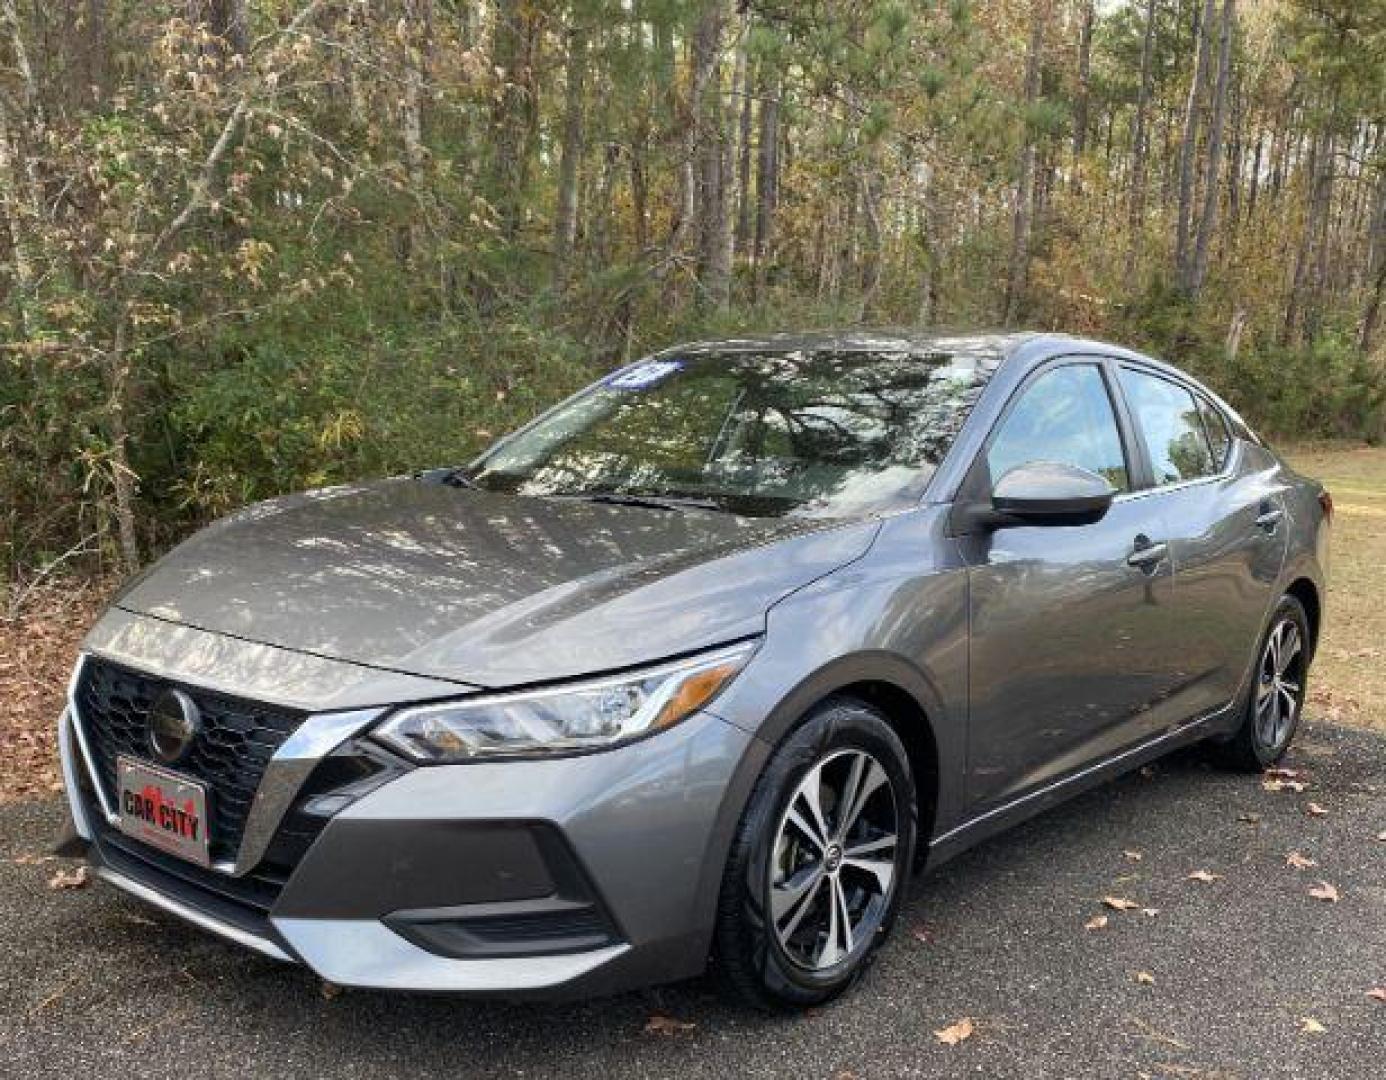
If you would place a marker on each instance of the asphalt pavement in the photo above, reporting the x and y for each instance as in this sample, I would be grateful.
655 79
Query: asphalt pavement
1245 974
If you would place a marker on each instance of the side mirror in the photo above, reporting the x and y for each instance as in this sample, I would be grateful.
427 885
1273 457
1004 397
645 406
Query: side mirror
1050 493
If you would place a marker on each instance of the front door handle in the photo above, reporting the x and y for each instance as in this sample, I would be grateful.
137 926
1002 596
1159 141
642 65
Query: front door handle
1148 554
1269 517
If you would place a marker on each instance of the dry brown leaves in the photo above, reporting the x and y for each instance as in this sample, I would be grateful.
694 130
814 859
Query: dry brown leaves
1205 876
1315 810
1378 993
1097 922
1297 861
957 1032
38 645
1119 903
660 1024
75 878
1325 892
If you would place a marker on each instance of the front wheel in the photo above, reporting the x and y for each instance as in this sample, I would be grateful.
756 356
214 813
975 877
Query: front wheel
1276 700
817 869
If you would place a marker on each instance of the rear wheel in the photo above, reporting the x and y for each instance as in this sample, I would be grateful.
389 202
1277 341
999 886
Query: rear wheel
1276 700
816 873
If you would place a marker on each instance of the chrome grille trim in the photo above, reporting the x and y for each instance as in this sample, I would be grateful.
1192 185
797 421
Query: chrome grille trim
284 775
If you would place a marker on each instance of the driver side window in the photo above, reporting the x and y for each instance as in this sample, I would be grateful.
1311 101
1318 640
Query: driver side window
1064 416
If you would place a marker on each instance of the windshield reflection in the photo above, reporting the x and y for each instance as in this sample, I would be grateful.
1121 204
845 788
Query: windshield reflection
808 432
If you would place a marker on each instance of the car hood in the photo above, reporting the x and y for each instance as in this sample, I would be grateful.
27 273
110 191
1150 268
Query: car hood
485 589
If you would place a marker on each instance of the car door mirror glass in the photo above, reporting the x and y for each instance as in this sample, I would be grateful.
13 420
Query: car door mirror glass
1051 493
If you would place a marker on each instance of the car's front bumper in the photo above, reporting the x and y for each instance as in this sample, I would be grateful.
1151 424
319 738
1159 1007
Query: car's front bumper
561 877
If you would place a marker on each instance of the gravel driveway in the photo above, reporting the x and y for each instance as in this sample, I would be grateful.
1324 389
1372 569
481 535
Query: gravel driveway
1229 977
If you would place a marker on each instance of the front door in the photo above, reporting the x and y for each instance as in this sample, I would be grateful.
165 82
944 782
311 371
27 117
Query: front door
1072 627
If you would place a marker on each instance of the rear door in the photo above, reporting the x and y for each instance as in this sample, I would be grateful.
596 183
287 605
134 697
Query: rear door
1072 627
1225 524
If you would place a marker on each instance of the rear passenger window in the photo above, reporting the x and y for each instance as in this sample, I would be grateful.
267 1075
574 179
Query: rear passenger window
1216 426
1168 418
1066 416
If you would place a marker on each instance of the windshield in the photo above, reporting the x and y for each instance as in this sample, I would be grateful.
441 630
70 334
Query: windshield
821 433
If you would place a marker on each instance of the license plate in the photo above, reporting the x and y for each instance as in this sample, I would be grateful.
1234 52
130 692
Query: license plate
163 809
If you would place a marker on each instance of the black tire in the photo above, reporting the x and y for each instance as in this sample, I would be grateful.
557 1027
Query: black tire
773 854
1262 740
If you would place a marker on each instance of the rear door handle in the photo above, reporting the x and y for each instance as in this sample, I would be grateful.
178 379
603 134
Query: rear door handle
1148 554
1269 517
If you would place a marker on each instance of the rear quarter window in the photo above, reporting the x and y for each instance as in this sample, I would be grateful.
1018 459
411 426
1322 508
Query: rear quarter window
1219 438
1170 422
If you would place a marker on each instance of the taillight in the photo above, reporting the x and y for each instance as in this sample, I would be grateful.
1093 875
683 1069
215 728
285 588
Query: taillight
1326 504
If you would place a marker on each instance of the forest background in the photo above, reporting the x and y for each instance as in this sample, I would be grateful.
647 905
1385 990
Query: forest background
250 247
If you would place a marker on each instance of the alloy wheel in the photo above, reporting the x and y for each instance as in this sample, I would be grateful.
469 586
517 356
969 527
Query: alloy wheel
1280 684
833 873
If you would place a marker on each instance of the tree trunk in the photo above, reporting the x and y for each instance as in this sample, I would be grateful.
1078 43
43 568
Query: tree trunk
415 31
515 114
1371 314
767 174
1017 278
1211 190
565 220
21 187
1081 104
745 134
1300 308
871 183
1188 149
714 270
124 482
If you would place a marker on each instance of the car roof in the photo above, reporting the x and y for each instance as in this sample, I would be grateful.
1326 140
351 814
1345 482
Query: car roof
890 339
988 349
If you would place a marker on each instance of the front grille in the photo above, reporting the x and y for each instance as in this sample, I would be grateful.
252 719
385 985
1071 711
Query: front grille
229 757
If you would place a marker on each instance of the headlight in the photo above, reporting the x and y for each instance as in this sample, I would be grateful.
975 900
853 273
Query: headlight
580 716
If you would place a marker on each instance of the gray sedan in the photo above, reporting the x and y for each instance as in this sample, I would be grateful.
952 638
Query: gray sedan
699 665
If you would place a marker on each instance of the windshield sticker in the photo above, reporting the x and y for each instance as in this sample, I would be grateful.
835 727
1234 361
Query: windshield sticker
645 374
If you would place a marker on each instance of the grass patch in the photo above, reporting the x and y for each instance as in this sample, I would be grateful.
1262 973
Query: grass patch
1349 678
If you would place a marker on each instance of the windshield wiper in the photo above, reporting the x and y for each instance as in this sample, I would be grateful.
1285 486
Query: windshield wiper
651 502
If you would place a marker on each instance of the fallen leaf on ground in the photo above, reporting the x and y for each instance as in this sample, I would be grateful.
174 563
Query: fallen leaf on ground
1310 1026
1120 903
955 1033
330 991
659 1024
1299 862
1250 819
1315 810
1097 922
31 858
1325 892
76 878
1283 774
1145 978
1284 785
1378 992
1381 836
1134 856
1205 876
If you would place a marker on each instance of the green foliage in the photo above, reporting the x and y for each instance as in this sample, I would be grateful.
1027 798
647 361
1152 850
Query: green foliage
363 279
